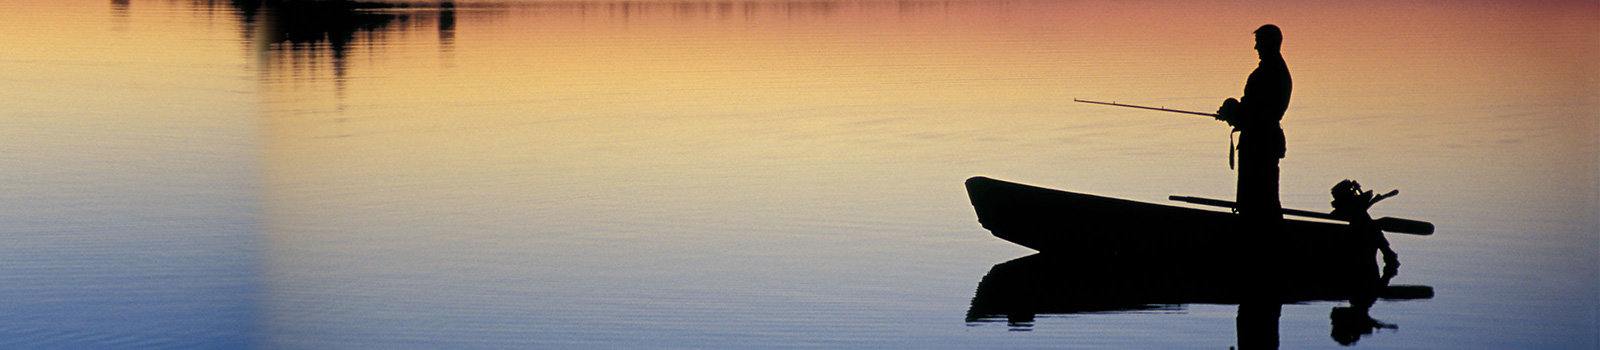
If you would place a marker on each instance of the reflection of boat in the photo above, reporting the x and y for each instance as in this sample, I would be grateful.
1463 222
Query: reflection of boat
1058 221
1047 283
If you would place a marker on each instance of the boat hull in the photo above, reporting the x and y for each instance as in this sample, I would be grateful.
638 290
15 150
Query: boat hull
1064 222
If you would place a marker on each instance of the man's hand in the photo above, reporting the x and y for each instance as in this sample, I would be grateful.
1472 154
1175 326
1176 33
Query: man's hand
1228 110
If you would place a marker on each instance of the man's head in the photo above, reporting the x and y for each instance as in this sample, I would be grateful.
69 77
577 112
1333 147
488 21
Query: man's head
1268 38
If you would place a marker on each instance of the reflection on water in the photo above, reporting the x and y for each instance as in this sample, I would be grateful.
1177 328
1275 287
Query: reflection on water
297 36
746 174
1017 291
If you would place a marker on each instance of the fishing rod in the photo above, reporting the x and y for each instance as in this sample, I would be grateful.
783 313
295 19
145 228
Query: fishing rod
1231 148
1213 115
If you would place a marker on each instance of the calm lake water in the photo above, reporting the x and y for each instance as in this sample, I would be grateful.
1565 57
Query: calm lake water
748 174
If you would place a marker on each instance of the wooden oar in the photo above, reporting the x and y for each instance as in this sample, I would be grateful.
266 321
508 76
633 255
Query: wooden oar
1390 224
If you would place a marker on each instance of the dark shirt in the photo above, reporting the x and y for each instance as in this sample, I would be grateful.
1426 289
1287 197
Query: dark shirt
1266 97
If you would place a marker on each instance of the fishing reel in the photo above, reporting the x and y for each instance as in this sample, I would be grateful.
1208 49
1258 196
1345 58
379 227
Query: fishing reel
1230 107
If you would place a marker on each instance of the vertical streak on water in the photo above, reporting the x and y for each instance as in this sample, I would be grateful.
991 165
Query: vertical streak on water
128 193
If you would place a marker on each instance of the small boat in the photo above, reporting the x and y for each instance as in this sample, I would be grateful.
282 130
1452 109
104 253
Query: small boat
1109 255
1064 222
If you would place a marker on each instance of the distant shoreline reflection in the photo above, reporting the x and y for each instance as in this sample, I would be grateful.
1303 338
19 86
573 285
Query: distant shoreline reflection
308 40
1018 291
284 28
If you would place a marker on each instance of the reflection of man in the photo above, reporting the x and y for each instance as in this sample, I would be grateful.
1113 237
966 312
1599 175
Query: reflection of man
1255 116
1352 322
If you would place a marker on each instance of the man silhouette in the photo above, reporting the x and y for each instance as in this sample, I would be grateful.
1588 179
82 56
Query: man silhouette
1255 116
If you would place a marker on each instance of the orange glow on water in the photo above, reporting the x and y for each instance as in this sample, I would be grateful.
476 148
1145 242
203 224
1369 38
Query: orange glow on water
620 62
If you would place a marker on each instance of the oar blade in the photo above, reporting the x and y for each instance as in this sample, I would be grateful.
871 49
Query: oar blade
1406 292
1407 226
